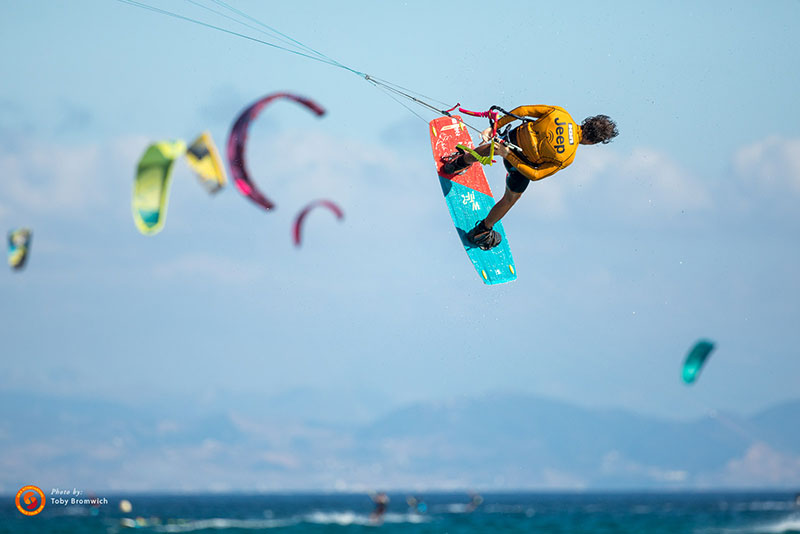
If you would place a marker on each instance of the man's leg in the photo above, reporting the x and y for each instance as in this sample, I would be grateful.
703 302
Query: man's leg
483 235
501 207
460 162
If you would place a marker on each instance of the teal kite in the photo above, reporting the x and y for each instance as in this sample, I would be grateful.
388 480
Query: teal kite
696 359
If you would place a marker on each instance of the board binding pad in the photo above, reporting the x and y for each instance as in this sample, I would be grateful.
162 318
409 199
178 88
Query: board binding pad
469 200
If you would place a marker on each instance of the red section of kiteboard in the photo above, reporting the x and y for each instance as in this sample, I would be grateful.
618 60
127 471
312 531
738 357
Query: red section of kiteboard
447 132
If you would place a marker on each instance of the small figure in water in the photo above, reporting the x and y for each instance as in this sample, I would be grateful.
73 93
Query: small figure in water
415 505
542 145
476 501
381 501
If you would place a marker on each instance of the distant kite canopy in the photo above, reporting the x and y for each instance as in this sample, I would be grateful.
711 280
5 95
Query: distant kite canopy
19 243
298 222
203 157
238 138
696 359
152 183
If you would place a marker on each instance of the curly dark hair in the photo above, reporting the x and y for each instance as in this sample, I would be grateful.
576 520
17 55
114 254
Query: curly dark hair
599 129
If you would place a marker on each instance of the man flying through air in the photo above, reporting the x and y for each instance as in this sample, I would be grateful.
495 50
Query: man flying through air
542 145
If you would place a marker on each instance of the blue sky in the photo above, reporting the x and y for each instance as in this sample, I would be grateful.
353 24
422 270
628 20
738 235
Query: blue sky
684 227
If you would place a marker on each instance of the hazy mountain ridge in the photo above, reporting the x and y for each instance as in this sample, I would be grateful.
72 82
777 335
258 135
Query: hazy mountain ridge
491 441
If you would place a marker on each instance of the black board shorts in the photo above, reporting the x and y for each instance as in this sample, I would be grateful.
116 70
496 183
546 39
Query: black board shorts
516 182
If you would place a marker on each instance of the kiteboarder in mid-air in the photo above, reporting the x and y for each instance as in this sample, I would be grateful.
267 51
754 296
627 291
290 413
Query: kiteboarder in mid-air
543 144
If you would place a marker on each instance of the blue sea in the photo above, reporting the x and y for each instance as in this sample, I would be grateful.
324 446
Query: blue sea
574 513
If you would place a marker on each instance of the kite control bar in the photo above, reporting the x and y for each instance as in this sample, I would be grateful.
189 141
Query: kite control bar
493 115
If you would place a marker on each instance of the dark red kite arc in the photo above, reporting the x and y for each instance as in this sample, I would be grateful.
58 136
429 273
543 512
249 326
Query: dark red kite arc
238 138
298 222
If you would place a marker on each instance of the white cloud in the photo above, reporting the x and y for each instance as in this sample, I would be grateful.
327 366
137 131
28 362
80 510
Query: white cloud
660 180
47 177
762 466
60 180
771 165
648 185
210 268
615 464
645 184
553 478
298 167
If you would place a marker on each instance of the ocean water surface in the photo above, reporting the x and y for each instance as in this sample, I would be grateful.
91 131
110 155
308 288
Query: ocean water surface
574 513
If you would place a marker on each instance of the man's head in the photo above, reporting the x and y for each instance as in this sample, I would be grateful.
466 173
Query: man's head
598 129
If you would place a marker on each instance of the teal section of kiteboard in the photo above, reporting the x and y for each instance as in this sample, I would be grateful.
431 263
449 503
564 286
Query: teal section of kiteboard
467 207
469 200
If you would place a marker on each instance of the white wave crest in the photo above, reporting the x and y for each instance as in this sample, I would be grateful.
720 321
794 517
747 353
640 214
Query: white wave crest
351 518
223 524
790 525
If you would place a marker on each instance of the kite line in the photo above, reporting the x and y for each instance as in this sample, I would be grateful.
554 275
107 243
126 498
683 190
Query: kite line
286 43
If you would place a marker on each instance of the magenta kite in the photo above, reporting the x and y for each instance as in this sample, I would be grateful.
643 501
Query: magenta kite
238 138
298 222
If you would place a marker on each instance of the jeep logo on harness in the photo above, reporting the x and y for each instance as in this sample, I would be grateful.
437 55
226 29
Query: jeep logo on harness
559 146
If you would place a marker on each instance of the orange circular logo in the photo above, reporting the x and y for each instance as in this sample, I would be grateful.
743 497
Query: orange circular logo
30 500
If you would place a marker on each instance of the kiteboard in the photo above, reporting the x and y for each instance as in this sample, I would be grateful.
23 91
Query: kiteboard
469 200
